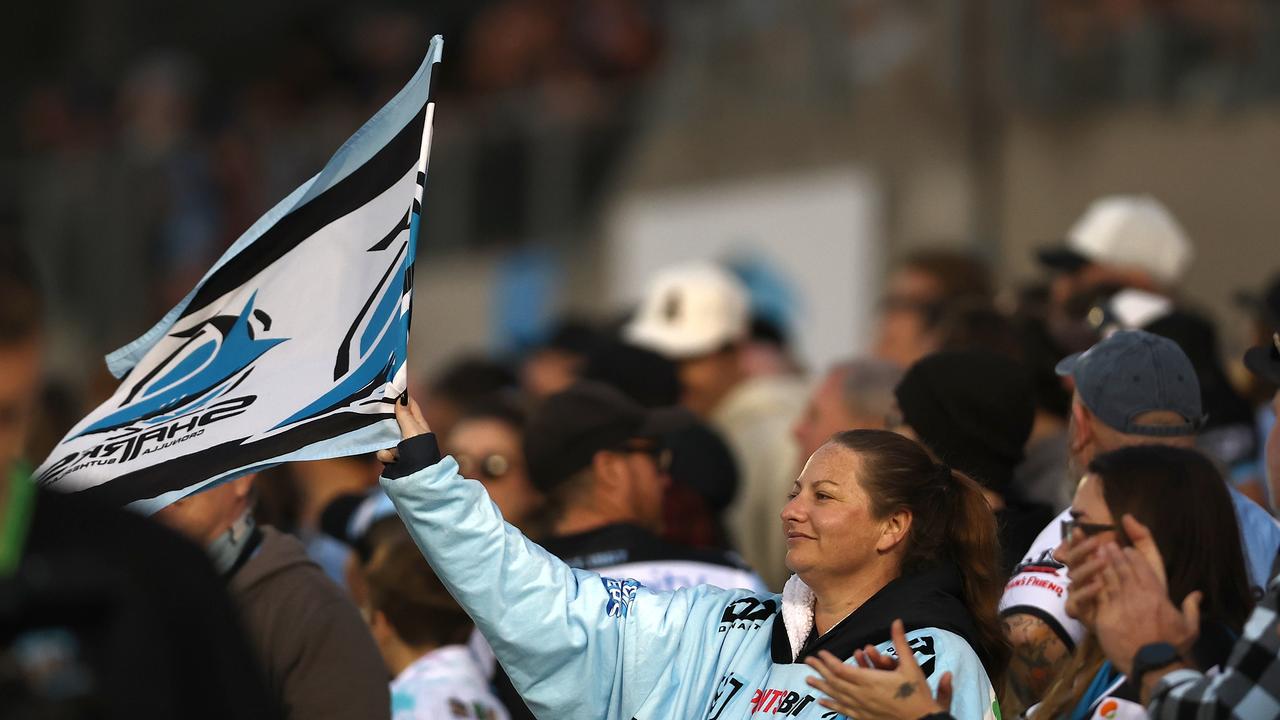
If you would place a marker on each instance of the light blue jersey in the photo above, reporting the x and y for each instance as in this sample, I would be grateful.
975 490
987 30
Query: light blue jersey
579 645
445 683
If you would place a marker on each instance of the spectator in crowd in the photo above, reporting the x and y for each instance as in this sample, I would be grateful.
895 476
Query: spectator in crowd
315 650
90 596
1180 496
698 315
487 443
557 363
925 285
1228 435
1145 635
875 529
1134 388
422 634
463 382
599 459
1121 241
362 522
768 349
1041 478
973 410
853 395
704 476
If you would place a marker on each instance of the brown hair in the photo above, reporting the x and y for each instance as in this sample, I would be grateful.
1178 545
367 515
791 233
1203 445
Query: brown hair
960 275
951 524
1180 496
403 587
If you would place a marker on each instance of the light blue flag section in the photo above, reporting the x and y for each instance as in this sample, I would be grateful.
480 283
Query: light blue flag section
292 347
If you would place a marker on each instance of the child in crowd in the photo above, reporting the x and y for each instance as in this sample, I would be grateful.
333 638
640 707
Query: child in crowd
422 634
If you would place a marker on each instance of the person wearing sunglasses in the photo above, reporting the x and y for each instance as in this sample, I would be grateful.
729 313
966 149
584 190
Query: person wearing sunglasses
1133 388
875 529
1180 496
600 461
487 443
1187 511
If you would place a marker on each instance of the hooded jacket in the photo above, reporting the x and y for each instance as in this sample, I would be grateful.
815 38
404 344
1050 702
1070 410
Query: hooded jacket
318 655
579 645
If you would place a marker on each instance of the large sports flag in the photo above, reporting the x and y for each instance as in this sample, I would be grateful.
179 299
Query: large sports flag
292 347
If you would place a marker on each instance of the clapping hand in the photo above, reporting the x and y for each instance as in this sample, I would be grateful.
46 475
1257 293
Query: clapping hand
879 687
1132 596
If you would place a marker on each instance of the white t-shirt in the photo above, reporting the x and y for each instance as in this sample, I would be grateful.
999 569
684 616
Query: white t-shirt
1039 585
444 683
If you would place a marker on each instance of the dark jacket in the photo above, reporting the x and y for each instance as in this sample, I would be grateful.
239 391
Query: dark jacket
142 627
317 652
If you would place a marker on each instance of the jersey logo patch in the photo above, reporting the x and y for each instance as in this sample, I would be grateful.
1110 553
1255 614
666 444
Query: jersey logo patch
621 594
925 654
747 614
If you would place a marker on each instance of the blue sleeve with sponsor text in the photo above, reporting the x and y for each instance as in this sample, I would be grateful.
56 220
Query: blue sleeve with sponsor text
941 651
566 637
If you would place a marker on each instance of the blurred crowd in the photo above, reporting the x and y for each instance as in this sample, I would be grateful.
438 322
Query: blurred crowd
154 172
1055 500
1093 414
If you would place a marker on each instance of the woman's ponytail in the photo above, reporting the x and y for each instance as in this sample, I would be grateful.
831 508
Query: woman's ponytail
974 545
952 524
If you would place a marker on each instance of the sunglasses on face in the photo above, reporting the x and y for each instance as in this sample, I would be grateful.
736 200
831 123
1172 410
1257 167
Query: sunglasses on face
1073 530
487 468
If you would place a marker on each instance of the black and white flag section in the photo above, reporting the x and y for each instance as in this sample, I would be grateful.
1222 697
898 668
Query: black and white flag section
292 347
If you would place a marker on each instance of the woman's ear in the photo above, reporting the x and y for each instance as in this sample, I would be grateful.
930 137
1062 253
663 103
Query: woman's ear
894 530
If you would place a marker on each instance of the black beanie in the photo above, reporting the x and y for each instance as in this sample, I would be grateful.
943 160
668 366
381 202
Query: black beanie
973 410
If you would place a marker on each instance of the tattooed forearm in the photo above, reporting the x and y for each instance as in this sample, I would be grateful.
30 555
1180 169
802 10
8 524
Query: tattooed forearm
1038 657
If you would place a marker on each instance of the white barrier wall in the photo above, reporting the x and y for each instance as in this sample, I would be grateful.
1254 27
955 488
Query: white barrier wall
822 231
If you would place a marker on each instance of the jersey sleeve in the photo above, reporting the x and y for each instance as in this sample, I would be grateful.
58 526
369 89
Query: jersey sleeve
940 651
574 644
1039 587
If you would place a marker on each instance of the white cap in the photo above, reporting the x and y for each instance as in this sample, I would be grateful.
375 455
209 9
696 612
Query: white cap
690 310
1133 231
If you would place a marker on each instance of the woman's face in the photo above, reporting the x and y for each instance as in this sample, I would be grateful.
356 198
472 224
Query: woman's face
829 527
1089 510
489 451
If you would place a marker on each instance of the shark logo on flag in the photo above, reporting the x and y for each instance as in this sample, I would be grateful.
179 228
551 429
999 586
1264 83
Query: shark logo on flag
217 355
292 347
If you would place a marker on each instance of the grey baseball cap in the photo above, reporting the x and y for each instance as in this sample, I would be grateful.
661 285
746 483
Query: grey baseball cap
1135 372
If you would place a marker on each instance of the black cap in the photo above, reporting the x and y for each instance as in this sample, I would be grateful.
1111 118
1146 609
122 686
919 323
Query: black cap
1264 360
1062 259
972 409
569 428
643 375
